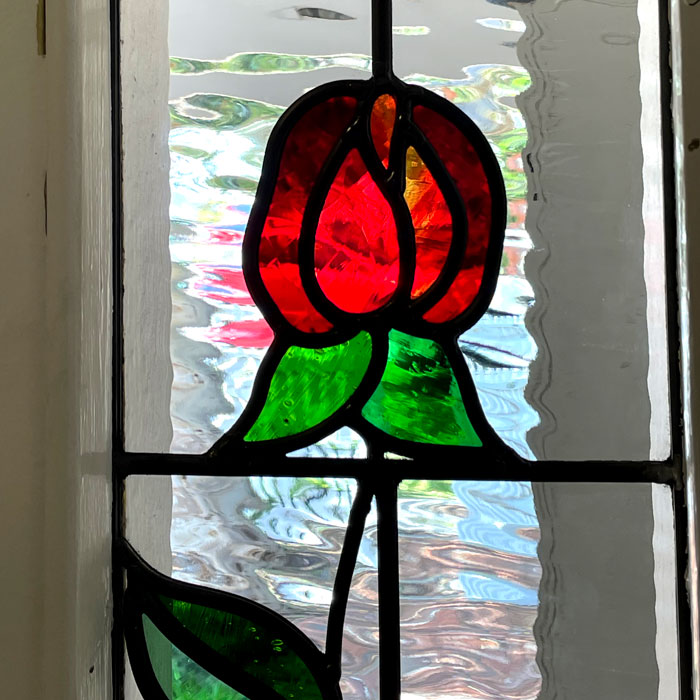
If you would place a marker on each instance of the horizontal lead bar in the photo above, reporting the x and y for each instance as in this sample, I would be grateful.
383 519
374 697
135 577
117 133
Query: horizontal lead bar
486 468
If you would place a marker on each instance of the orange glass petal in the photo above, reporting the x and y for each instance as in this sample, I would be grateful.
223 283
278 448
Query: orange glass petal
464 165
356 248
382 126
432 222
305 151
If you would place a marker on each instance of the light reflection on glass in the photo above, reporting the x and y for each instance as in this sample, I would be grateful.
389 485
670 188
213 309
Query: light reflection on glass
345 443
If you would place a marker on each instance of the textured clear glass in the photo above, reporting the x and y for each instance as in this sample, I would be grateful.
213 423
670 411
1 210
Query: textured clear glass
512 590
276 541
360 658
279 54
563 352
273 540
469 589
509 591
571 359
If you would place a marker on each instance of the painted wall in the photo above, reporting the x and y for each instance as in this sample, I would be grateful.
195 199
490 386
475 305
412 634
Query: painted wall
55 360
23 118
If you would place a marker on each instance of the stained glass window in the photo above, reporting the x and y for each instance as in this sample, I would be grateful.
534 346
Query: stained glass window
351 505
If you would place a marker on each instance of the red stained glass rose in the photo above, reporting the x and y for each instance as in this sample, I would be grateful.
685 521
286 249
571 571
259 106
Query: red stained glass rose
387 212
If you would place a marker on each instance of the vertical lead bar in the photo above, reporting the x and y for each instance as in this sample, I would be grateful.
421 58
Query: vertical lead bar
118 481
389 620
381 39
686 623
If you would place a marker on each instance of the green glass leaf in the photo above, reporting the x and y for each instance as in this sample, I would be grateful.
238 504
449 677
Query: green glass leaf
179 676
198 643
261 652
418 397
309 385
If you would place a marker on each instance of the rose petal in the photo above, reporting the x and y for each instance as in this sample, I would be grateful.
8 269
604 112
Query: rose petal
357 246
382 126
432 222
464 165
306 149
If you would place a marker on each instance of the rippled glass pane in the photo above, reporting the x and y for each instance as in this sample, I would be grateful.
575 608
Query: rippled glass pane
469 589
513 590
276 541
607 625
508 589
273 540
343 443
561 359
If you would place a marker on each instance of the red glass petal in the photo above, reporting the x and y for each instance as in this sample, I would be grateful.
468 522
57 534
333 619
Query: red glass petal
382 126
463 163
305 151
357 245
432 222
